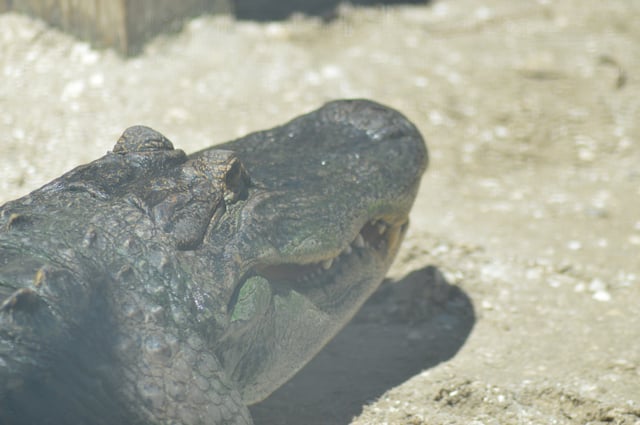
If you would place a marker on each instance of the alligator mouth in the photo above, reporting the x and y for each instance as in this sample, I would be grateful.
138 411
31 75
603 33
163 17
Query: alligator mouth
377 237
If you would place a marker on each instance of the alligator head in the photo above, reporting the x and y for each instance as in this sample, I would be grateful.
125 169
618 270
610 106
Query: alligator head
154 287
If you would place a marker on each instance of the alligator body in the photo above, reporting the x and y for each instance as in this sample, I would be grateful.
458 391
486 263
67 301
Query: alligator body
152 287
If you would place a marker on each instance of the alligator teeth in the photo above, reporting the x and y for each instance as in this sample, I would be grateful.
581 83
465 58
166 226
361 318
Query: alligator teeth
358 242
316 270
327 264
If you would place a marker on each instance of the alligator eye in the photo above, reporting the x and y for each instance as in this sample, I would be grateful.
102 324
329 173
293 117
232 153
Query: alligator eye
141 139
236 181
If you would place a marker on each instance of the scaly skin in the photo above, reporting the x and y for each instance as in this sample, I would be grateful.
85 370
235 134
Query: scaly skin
152 287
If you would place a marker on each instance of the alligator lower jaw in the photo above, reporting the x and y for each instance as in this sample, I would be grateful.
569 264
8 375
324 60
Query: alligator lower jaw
376 238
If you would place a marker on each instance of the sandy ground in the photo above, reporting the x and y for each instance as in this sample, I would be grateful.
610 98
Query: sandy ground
516 294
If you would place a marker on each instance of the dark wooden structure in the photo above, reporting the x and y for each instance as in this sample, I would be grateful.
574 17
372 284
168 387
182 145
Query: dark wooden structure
124 25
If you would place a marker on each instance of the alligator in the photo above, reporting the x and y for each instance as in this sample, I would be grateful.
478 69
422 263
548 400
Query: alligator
154 287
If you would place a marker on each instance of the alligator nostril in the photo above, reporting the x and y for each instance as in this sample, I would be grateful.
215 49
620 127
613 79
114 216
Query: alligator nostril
381 226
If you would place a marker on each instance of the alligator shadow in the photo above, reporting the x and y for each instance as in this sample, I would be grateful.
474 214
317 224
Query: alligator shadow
406 327
267 10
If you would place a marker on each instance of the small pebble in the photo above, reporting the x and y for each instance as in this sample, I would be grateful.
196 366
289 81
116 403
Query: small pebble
574 245
603 296
634 239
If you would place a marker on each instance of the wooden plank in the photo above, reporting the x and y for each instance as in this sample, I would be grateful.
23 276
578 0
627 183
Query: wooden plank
146 18
124 25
